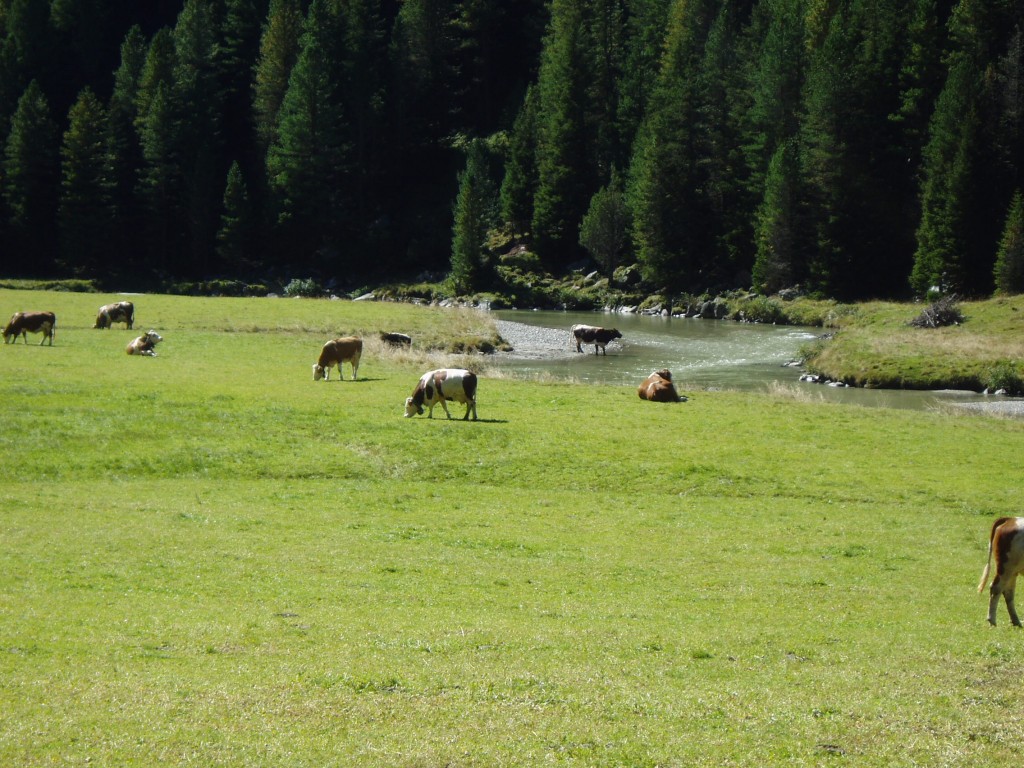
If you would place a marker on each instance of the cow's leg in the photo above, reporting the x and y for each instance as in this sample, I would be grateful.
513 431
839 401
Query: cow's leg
470 405
578 347
355 370
993 602
1008 590
445 406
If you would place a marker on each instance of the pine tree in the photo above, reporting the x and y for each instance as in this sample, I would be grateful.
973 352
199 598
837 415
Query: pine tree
279 49
85 214
562 170
305 163
125 155
30 174
948 169
474 216
775 261
605 230
237 227
520 181
160 183
157 70
1009 269
671 220
198 94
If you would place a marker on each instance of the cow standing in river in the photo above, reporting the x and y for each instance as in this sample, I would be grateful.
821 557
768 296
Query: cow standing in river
592 334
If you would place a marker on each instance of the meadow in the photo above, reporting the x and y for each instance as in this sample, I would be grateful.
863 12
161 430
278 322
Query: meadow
207 558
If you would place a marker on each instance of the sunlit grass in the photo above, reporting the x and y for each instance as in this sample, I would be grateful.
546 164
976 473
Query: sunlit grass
208 558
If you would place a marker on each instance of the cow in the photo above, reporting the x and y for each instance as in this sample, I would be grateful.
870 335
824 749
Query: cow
658 388
36 322
591 334
1006 541
396 339
440 386
121 312
335 352
144 344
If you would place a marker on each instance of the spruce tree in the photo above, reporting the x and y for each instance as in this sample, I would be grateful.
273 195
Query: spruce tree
85 215
1009 269
775 261
160 184
948 165
31 170
125 154
474 216
671 219
237 226
520 181
279 49
562 170
305 163
605 229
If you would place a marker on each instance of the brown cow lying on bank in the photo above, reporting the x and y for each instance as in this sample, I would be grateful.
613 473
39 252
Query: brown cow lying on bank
1006 542
591 334
121 312
36 322
335 352
658 388
144 344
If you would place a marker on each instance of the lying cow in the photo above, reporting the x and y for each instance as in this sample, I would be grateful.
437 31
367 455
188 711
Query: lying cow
658 388
591 334
335 352
144 344
1006 541
121 312
396 339
36 322
440 386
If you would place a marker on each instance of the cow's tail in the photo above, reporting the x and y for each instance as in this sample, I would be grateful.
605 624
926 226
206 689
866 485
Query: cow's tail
988 560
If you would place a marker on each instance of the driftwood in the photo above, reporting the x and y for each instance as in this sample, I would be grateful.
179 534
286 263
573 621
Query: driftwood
941 313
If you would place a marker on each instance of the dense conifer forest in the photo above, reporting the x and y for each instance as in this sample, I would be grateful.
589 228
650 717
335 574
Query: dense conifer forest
858 148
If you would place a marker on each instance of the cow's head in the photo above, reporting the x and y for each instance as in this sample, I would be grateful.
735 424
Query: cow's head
102 319
152 337
412 408
615 334
318 371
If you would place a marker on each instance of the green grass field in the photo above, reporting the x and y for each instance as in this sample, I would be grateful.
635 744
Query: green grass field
206 558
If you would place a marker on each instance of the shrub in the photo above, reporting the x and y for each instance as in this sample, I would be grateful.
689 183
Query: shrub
761 309
308 288
1004 375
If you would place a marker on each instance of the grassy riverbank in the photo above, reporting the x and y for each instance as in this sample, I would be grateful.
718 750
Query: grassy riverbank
876 346
209 559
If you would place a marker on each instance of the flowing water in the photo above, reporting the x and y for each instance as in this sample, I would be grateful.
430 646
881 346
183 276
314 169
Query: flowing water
702 354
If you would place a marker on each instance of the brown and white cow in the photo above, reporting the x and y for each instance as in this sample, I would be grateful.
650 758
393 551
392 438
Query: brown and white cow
440 386
36 322
121 312
1006 541
144 344
592 334
658 388
335 352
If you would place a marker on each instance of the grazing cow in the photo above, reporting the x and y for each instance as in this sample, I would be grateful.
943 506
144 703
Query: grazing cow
591 334
396 339
658 388
144 344
439 386
335 352
121 312
1006 541
37 322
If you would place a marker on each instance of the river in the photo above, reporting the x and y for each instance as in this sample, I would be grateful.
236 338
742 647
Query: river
702 355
